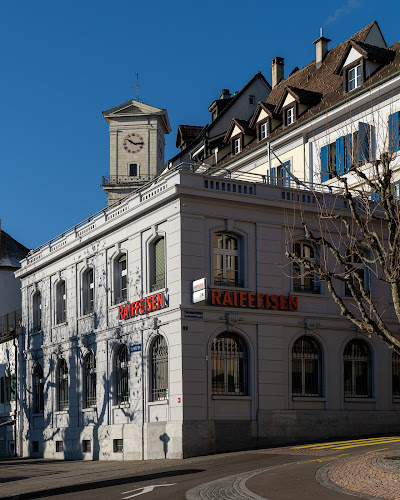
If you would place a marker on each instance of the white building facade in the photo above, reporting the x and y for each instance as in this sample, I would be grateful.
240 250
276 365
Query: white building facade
119 363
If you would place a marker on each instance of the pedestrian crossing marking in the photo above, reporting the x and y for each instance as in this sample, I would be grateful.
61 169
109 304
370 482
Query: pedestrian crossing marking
354 443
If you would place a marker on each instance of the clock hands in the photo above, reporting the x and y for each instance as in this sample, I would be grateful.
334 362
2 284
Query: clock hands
136 143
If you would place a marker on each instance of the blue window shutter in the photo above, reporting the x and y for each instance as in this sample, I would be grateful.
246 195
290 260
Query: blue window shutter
347 152
340 155
324 163
374 196
273 175
268 177
363 143
394 132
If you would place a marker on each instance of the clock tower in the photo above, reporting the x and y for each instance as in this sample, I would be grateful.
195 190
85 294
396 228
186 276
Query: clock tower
137 145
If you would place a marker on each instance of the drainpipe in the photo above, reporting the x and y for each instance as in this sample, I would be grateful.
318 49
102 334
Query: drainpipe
16 391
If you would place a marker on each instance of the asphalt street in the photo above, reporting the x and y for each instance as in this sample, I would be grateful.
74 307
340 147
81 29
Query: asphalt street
280 474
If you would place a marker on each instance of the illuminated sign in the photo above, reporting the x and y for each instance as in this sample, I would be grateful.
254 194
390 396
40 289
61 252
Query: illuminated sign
142 306
253 300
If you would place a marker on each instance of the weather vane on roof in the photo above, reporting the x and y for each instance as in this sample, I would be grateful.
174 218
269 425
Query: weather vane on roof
137 85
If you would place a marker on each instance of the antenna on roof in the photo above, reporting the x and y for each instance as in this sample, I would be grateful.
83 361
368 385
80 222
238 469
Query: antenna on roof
137 85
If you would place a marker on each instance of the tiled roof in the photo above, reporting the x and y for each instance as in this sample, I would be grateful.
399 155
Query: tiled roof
188 133
11 252
327 83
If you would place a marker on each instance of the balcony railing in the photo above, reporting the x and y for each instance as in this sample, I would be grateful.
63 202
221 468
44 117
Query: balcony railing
9 323
128 180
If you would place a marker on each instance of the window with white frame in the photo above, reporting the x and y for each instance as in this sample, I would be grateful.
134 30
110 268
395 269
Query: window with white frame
236 146
88 291
37 312
38 385
90 380
289 115
157 264
229 361
62 385
121 376
357 369
159 369
306 367
353 77
120 279
263 130
354 257
61 302
305 279
226 260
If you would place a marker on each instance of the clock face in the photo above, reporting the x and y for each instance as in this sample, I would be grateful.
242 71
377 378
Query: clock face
133 143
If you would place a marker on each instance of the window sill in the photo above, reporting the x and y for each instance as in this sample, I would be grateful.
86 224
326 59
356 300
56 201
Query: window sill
62 412
308 398
59 325
89 409
122 405
158 403
307 294
87 315
359 400
231 397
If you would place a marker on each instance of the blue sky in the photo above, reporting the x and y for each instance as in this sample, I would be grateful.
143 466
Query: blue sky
63 63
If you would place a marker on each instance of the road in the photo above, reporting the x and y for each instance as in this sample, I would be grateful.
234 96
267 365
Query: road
280 474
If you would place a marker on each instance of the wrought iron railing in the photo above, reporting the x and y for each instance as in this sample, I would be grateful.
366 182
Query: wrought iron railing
116 180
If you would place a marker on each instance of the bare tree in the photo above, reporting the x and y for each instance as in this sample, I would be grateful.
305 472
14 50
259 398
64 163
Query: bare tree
354 233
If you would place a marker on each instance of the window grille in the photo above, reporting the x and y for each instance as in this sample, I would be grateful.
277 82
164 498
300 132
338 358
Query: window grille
118 445
86 446
90 380
59 446
306 368
37 312
121 376
305 279
395 375
38 389
226 260
357 369
63 396
229 365
159 369
159 264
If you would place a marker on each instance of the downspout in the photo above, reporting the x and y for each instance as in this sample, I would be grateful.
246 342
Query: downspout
16 391
257 344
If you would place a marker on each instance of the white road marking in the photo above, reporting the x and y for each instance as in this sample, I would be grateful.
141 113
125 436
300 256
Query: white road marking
144 489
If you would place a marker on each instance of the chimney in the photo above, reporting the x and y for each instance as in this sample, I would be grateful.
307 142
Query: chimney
321 49
225 94
277 70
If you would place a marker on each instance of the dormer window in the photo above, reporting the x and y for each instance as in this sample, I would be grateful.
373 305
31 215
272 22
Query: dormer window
236 146
289 115
353 77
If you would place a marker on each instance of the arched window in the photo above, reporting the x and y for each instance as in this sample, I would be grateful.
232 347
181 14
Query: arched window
61 302
90 380
395 375
37 312
62 385
157 265
38 389
304 278
120 273
159 369
121 376
226 260
88 291
357 369
306 367
229 365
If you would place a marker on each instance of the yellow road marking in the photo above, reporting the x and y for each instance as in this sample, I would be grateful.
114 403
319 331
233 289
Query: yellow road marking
325 459
333 444
380 449
366 444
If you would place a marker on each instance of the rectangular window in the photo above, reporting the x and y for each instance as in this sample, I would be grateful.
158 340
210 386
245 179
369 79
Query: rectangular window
118 445
59 446
133 170
289 115
393 133
86 446
263 131
252 100
353 78
236 146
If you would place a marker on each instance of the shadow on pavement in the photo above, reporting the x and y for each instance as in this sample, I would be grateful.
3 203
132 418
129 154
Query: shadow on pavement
102 484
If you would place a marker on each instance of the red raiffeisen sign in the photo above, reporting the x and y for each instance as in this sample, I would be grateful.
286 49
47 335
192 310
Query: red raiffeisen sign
254 300
142 306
